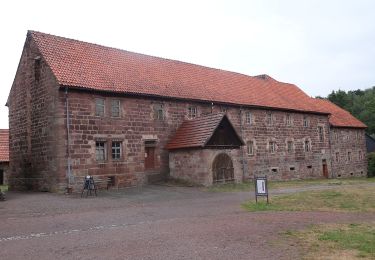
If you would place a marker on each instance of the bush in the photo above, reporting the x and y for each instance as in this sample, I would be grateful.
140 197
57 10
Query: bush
371 165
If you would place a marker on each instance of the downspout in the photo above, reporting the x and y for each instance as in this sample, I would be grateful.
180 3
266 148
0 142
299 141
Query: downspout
69 165
242 149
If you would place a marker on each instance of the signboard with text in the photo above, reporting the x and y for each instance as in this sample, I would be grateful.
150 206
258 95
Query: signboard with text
261 188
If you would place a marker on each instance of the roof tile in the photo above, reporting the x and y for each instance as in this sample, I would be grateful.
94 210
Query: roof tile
91 66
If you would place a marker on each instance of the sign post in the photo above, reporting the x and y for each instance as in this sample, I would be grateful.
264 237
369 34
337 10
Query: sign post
261 188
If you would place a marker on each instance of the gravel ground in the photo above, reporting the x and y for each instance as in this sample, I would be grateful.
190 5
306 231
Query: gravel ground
153 222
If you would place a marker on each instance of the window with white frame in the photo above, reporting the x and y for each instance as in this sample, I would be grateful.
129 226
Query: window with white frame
116 150
159 111
288 120
192 112
272 146
307 146
305 121
99 107
100 150
115 108
250 147
248 118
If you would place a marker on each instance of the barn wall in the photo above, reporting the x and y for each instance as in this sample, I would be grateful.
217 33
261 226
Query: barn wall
33 135
343 141
195 165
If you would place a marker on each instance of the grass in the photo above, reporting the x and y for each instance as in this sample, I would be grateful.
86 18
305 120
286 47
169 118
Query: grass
339 241
249 186
3 188
347 198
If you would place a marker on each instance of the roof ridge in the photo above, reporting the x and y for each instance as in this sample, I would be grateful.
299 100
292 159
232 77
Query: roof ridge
152 56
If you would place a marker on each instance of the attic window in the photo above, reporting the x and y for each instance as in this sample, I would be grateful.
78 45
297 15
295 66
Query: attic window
37 68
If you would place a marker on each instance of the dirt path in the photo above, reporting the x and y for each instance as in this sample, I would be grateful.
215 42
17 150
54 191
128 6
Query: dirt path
154 222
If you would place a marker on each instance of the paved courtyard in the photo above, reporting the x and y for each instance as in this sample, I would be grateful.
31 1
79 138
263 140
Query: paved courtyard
153 222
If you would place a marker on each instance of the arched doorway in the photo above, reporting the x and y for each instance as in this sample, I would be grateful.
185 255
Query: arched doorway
222 169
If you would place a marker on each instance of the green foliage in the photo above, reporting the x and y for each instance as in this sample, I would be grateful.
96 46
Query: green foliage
359 237
371 165
360 103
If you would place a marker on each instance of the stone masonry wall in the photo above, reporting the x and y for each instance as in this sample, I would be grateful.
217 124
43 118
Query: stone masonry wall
32 135
195 165
349 154
39 147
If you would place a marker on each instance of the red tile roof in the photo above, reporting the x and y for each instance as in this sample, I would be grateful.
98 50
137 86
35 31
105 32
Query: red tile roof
339 117
4 145
196 132
91 66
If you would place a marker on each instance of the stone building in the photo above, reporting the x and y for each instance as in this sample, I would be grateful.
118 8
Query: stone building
4 156
79 109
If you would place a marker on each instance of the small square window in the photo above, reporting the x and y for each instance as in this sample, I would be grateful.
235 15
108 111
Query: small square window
223 109
250 148
248 118
99 107
115 108
116 150
192 112
100 150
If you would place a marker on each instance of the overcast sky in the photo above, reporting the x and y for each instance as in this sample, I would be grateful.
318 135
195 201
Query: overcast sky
319 45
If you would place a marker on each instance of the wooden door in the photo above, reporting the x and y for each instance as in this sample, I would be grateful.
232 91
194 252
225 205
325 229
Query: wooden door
149 158
222 169
325 169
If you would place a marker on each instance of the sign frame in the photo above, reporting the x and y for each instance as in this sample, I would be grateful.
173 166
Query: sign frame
261 187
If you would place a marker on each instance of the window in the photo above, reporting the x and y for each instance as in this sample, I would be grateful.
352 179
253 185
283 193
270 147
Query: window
116 150
250 147
336 135
349 156
272 145
337 157
305 121
192 112
269 118
321 133
290 146
159 111
115 108
358 136
99 107
248 118
100 150
307 146
288 120
360 156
